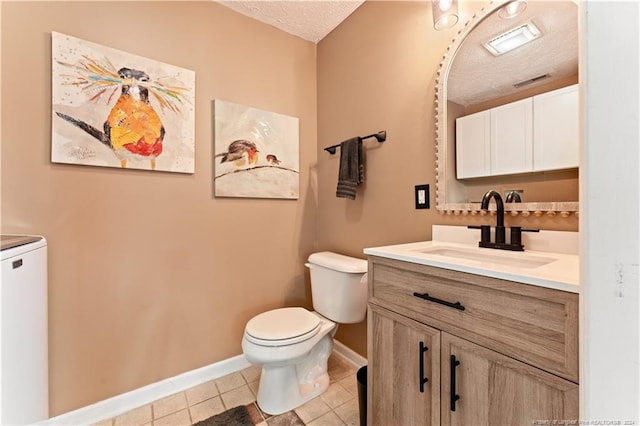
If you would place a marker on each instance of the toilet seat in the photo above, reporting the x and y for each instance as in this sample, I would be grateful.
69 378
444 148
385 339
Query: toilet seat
281 327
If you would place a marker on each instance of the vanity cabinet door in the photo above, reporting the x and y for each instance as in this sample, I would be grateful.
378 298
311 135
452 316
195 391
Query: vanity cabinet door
555 129
531 135
494 142
473 145
512 138
493 389
403 371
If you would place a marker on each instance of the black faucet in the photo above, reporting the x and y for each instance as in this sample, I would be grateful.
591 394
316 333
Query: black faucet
513 197
516 231
515 244
500 239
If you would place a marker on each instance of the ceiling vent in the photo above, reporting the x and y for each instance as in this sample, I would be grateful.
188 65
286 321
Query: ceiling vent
531 80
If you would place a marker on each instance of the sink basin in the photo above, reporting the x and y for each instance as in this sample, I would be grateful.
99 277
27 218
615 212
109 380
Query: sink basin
509 259
551 259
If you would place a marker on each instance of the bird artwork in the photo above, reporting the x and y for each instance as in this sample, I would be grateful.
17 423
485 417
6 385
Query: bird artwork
255 153
240 152
273 160
133 129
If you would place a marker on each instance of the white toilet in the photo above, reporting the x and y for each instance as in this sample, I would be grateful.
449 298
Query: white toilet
294 344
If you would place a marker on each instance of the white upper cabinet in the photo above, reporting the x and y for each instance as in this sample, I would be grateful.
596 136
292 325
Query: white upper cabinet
473 150
511 138
530 135
555 129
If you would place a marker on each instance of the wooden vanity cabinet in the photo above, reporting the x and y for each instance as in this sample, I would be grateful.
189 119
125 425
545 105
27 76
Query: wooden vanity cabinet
406 357
497 390
507 350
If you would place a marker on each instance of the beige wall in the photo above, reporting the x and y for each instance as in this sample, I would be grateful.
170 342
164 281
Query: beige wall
377 72
170 289
149 274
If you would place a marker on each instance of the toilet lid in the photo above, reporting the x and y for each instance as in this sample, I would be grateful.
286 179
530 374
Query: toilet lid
283 324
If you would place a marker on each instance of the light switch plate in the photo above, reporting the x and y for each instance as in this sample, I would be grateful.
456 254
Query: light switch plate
422 196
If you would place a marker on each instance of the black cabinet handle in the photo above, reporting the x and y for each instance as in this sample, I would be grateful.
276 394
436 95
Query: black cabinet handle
454 396
423 380
426 296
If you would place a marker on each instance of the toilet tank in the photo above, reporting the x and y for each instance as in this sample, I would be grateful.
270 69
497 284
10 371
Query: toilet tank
338 286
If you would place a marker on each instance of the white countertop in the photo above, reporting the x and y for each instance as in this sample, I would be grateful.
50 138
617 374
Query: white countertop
558 271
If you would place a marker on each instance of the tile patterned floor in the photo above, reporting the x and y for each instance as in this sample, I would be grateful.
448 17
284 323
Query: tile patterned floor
338 406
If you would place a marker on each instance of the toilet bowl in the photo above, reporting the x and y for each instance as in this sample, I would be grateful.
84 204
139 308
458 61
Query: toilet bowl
293 344
292 371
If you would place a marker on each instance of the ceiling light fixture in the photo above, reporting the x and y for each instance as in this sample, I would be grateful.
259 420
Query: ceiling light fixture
513 39
445 13
512 9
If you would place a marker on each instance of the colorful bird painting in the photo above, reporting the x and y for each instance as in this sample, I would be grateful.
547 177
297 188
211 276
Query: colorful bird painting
133 129
240 152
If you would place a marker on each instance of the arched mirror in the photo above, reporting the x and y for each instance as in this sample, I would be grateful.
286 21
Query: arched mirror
508 119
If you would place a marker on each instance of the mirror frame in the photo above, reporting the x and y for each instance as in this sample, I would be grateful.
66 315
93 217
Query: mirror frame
443 171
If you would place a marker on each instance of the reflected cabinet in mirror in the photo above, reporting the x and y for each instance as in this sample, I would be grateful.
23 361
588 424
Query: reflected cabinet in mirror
508 110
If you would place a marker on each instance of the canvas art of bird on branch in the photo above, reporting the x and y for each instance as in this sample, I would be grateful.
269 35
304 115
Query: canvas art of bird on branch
133 129
241 153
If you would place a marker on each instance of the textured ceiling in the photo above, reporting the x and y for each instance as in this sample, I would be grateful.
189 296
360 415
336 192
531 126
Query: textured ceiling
477 76
311 20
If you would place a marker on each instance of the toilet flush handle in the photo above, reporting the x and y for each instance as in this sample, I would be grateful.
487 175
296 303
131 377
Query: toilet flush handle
308 265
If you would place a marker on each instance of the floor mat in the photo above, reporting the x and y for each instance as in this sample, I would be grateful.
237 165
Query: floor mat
237 416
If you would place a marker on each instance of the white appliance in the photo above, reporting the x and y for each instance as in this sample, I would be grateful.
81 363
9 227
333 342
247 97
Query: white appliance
24 372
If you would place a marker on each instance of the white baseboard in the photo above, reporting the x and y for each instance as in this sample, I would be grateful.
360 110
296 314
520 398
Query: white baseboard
349 354
122 403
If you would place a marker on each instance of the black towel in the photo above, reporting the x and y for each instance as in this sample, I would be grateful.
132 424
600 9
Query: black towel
351 171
